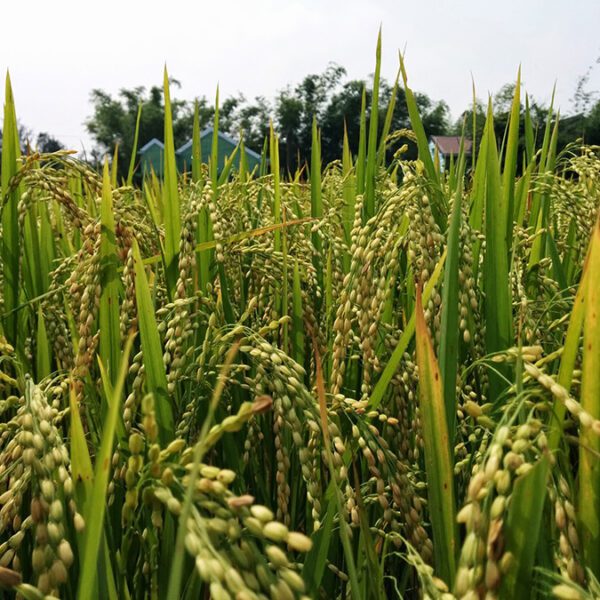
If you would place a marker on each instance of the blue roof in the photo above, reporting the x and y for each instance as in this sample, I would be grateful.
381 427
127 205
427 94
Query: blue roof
223 136
152 142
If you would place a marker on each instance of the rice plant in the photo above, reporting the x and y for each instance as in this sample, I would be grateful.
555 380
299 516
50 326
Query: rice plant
369 379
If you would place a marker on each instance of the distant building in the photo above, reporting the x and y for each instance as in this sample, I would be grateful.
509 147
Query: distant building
151 157
152 154
447 146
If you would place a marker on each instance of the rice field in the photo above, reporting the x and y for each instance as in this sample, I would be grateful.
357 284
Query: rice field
369 379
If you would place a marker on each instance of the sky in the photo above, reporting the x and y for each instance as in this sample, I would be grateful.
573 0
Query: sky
57 52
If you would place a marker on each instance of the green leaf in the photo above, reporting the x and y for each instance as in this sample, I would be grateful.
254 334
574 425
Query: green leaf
114 166
196 147
109 312
42 347
498 309
10 239
96 504
449 337
529 135
510 160
522 529
243 171
569 354
213 166
355 589
315 561
387 124
362 145
589 442
172 217
438 459
228 166
316 199
423 147
349 192
133 159
156 377
371 170
297 317
81 463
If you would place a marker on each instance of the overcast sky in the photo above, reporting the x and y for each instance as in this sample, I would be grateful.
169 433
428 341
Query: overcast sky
58 51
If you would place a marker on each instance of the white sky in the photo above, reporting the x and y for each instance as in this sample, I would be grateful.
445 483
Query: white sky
57 51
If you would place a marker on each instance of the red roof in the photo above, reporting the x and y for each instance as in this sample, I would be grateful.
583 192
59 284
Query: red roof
450 144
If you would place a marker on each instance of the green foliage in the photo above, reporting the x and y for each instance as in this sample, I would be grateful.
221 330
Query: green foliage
227 386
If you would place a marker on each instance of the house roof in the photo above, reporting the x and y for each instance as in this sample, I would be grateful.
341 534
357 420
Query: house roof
223 136
450 144
152 142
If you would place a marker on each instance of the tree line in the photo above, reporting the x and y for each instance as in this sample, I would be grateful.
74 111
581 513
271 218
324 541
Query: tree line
334 100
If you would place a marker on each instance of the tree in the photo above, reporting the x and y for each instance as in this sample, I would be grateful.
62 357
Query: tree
295 109
47 143
592 125
325 96
113 121
253 122
343 108
501 105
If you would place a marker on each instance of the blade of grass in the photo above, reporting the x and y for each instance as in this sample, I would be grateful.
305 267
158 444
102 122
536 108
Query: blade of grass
371 170
213 166
297 317
362 145
529 134
81 463
349 194
478 190
374 575
344 528
315 561
96 505
114 166
10 239
156 377
172 217
110 332
438 460
316 199
510 159
542 202
498 311
423 147
522 530
133 159
243 170
228 166
196 146
276 208
42 350
83 474
589 443
474 125
387 124
449 339
569 355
